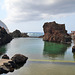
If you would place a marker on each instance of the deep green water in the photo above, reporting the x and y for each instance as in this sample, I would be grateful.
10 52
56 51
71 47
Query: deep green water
36 48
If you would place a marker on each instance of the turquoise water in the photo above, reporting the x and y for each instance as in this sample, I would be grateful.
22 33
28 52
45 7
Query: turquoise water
36 50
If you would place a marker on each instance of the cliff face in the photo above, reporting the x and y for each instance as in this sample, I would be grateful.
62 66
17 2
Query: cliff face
4 36
17 33
55 32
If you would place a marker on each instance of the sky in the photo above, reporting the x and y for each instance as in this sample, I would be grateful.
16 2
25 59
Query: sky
30 15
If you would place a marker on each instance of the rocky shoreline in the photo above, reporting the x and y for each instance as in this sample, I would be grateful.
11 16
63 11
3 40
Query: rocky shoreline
17 33
9 65
4 36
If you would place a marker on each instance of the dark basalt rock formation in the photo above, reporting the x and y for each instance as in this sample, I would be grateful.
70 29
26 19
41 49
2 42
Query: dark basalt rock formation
17 33
16 62
4 36
18 58
56 33
5 56
73 49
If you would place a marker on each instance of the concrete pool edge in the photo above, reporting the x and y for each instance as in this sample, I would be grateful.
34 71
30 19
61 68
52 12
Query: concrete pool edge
51 61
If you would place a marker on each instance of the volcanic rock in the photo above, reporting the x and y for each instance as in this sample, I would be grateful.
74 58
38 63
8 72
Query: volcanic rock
19 58
56 33
17 33
5 56
4 36
9 65
73 49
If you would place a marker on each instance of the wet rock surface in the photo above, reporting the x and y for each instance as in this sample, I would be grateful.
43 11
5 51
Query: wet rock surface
18 58
14 63
56 33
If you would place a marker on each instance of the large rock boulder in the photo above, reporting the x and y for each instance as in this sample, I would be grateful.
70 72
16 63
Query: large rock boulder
19 58
4 36
56 33
9 65
5 56
17 33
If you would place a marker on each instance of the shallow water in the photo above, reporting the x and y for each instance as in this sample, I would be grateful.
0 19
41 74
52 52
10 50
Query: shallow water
38 53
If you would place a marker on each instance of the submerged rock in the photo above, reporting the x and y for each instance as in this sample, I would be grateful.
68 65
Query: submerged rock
56 33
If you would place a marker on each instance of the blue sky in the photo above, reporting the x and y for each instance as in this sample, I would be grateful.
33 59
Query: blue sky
2 11
30 15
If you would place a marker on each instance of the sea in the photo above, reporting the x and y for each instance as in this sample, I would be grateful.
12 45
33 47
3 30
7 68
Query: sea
44 58
35 34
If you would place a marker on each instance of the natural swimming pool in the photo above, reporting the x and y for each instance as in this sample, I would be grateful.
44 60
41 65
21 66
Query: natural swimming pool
45 58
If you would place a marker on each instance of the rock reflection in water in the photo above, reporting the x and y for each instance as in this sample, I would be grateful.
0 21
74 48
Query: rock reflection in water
54 49
72 47
74 56
2 50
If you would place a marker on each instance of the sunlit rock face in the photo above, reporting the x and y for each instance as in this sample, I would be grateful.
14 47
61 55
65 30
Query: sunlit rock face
4 26
56 33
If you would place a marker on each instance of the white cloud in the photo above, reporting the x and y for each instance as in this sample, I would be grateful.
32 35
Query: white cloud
27 10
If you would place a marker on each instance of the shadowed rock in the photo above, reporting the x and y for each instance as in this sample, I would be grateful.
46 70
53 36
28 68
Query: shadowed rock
19 58
17 33
5 56
4 36
17 61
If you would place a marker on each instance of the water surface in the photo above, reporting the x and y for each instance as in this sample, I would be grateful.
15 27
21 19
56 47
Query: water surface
37 49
